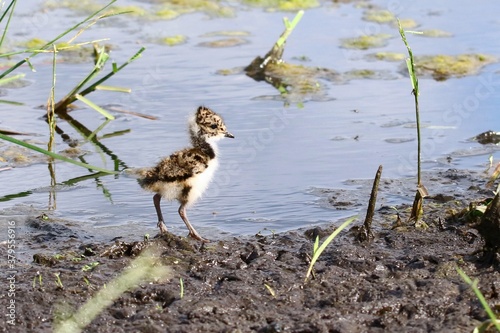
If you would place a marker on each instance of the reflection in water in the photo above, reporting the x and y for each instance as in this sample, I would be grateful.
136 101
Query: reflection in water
52 192
89 136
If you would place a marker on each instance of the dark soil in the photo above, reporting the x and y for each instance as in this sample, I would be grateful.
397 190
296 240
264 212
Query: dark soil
405 280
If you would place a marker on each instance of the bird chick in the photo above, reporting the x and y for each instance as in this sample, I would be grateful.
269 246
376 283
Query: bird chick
185 175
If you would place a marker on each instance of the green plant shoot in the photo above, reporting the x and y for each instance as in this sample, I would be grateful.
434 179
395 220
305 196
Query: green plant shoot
289 26
410 64
58 280
181 283
317 250
480 297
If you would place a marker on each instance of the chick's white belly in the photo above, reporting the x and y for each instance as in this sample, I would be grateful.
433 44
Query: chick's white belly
200 182
170 191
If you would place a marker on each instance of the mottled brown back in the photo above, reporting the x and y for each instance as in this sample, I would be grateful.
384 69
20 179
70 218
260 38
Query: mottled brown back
177 167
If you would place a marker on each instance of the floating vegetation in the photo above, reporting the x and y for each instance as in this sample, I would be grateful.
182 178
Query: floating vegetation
34 43
406 23
379 16
387 56
361 73
207 6
356 74
229 71
284 4
366 41
17 156
68 52
173 40
167 14
227 33
299 78
435 33
386 16
234 38
100 57
488 137
91 6
284 77
442 67
225 42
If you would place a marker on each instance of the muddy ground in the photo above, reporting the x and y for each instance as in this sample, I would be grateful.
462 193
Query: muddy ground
405 280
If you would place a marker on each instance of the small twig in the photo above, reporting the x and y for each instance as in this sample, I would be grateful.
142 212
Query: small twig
417 209
365 232
489 227
9 132
51 119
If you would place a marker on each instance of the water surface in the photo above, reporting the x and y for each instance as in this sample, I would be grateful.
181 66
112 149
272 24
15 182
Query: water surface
283 151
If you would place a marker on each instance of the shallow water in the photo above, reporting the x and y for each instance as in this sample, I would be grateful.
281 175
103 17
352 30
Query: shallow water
269 174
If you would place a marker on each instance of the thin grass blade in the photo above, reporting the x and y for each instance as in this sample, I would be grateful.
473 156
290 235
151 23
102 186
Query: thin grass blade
70 98
11 78
480 297
111 88
13 5
410 71
326 243
316 245
94 133
95 106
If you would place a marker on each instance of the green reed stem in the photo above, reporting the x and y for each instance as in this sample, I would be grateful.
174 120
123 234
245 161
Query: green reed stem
51 119
410 64
75 94
317 250
289 26
13 5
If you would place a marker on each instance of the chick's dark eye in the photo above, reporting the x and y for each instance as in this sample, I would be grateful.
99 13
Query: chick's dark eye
213 126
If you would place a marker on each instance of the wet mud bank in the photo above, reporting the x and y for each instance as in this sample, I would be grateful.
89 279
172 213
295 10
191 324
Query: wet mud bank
405 280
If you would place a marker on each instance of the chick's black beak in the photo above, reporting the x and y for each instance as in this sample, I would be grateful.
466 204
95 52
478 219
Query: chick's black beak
229 135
